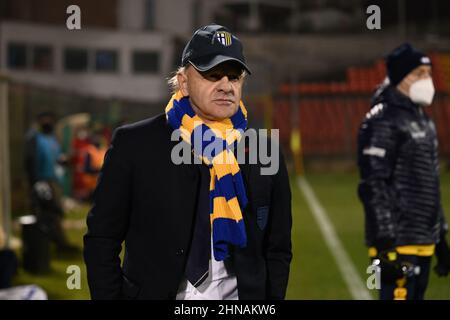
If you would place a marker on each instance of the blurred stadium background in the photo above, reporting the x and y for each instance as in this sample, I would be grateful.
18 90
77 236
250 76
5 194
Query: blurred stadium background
315 66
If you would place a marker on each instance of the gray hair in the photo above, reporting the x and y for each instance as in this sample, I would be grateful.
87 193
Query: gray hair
173 81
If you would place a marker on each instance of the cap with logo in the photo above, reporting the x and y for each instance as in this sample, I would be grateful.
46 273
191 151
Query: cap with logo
212 45
402 61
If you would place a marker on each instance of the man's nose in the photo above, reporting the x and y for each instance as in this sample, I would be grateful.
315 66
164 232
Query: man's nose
225 84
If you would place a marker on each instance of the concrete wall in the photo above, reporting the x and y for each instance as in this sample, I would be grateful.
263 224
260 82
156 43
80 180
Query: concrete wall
123 84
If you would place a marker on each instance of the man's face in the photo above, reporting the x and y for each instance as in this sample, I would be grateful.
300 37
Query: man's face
214 94
47 124
419 73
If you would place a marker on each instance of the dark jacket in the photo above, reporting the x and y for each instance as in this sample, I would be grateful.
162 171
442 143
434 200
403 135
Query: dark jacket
144 199
399 168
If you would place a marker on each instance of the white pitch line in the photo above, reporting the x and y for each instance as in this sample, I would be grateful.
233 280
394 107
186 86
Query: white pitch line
348 271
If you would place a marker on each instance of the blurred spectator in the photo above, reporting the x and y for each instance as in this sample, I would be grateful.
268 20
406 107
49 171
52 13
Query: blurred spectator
400 188
94 153
89 150
43 161
79 143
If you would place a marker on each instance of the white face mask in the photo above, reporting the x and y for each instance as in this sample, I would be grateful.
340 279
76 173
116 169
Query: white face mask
422 92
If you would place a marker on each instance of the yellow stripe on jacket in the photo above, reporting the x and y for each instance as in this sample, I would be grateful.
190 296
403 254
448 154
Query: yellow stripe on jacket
426 250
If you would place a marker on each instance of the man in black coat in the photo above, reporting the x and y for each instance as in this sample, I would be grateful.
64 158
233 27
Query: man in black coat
399 168
178 242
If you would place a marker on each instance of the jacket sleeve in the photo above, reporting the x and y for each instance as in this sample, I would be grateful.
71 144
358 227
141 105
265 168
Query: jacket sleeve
278 237
107 222
377 148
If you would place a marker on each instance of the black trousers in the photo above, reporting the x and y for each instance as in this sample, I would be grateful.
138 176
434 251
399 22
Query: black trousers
415 285
8 267
50 214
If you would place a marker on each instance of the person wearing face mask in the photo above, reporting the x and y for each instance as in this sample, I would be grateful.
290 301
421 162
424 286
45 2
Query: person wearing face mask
399 187
43 164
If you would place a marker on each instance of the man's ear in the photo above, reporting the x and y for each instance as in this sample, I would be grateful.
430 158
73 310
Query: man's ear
182 82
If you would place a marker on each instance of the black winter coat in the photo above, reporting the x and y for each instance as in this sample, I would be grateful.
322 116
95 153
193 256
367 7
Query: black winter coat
148 202
399 169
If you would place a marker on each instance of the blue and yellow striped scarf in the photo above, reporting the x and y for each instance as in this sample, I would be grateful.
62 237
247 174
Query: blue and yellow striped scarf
227 191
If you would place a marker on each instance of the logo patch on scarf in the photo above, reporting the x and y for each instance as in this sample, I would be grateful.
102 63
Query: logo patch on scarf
223 37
